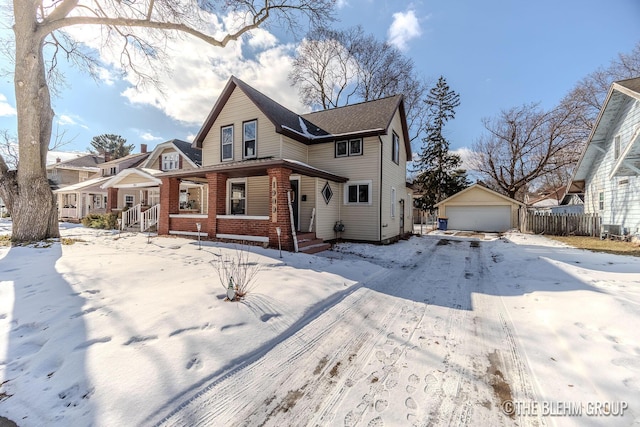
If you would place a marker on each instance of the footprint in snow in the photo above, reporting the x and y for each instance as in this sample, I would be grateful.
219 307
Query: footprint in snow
194 362
139 339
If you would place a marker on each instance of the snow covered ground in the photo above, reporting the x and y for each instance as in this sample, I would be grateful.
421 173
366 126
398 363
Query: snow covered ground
437 330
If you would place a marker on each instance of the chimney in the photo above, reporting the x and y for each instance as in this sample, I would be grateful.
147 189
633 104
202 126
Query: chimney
58 160
143 148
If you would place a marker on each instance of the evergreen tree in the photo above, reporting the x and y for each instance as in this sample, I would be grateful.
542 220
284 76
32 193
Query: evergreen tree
439 172
111 146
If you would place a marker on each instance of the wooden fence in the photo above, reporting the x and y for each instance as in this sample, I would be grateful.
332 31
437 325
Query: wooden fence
564 224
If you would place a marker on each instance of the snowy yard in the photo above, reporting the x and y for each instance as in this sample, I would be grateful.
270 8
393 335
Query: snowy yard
436 330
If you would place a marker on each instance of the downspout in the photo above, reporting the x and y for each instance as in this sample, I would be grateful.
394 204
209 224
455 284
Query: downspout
380 195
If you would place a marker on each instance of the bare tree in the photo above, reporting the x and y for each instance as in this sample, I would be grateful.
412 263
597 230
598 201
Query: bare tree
523 144
332 68
139 29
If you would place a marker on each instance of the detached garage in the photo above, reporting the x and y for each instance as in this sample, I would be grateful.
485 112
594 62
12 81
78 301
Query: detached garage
479 209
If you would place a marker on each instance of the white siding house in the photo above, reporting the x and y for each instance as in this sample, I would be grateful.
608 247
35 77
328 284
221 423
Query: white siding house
608 172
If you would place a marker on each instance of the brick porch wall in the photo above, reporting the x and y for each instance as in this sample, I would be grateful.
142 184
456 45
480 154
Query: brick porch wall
244 227
281 211
185 223
217 200
170 202
112 199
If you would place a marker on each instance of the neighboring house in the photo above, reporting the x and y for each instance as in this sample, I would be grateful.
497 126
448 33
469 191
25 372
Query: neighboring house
138 188
477 208
87 197
570 204
547 200
608 172
338 173
72 171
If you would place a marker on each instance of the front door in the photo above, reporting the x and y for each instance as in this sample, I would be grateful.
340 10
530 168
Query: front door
295 206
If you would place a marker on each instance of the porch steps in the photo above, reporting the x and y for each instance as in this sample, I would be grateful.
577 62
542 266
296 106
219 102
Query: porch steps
308 243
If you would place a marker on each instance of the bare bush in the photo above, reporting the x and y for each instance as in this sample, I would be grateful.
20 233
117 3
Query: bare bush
237 271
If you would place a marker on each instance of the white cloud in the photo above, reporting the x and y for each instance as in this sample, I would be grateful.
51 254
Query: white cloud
68 120
105 76
147 136
341 4
6 109
405 26
193 73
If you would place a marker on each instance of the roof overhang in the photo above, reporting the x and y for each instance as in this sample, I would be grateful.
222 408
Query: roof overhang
256 167
149 179
89 186
629 162
481 187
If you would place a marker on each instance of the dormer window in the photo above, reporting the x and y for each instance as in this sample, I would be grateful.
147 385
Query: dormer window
170 161
352 147
249 139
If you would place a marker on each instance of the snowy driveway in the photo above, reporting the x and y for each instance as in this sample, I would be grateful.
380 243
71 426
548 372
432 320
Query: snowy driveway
452 335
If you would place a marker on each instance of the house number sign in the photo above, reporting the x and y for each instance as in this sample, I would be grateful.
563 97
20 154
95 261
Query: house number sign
274 199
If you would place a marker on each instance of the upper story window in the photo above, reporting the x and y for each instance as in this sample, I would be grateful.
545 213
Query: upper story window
113 170
616 147
601 200
395 147
352 147
357 193
170 161
226 138
249 139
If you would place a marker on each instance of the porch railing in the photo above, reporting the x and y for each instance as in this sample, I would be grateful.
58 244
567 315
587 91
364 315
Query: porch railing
131 216
149 217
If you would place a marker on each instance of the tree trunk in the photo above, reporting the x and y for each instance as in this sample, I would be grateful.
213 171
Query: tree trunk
33 202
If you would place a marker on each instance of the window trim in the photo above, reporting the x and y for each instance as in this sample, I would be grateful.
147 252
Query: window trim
348 184
244 140
395 148
601 200
222 144
246 194
133 200
348 148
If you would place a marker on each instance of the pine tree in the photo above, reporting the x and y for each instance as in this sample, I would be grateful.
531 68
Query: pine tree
439 172
111 146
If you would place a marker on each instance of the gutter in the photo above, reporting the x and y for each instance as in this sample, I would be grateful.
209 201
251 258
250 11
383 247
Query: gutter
380 191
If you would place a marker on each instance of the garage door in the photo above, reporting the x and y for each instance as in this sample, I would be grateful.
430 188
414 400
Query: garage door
479 218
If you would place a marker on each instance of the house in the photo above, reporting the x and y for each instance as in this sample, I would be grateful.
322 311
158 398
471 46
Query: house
477 208
72 171
87 197
570 204
608 171
269 174
138 188
546 200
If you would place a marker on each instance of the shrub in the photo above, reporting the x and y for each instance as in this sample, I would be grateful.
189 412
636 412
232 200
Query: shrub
238 270
107 221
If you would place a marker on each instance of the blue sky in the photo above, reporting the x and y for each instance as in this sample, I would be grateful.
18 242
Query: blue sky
495 53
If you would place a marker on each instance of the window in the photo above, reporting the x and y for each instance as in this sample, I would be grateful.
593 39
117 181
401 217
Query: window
357 193
170 161
352 147
616 147
226 139
237 197
393 202
249 139
113 171
128 200
395 147
601 200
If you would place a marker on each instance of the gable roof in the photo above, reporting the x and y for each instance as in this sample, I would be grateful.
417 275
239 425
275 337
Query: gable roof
130 161
87 161
147 174
598 142
480 187
193 155
92 184
364 119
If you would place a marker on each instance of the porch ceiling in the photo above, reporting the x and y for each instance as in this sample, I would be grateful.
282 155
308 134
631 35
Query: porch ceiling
257 167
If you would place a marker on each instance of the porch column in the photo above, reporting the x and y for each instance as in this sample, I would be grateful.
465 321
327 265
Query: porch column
217 199
279 208
112 199
169 202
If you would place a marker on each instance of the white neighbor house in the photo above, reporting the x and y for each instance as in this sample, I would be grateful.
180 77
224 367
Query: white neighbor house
608 172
